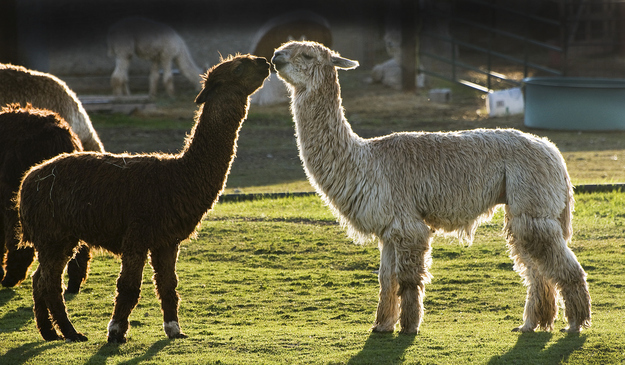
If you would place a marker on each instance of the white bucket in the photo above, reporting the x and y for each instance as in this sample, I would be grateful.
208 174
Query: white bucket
440 95
505 102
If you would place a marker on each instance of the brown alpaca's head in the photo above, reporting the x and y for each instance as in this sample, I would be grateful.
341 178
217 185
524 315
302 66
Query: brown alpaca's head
304 64
241 74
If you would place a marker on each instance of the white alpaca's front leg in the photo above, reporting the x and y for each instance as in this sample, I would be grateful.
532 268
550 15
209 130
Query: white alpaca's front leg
388 305
414 259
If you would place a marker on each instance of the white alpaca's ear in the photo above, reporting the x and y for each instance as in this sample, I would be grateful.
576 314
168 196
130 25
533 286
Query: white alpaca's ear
344 63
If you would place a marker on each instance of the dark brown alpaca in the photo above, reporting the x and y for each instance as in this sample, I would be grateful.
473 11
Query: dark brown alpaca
46 91
28 136
133 205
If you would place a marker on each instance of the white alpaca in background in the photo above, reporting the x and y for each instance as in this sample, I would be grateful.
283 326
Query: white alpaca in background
45 91
403 187
153 41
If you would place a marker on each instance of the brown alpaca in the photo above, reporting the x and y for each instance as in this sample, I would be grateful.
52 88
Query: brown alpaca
155 42
27 136
134 205
45 91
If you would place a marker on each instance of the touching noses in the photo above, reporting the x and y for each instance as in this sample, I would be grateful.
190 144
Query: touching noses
278 59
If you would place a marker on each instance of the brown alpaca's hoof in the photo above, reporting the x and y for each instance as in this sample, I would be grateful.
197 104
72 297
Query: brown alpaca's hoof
179 335
78 337
72 287
116 338
10 281
50 335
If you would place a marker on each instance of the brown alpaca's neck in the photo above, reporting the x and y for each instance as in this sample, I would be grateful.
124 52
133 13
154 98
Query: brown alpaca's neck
211 146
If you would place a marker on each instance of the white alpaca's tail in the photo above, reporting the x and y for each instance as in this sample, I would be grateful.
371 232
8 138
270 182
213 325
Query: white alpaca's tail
567 214
188 67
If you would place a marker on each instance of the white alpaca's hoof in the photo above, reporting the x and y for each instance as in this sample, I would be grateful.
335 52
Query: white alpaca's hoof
383 329
572 329
523 329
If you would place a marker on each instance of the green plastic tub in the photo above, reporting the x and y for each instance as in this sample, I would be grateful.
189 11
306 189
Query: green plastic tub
574 103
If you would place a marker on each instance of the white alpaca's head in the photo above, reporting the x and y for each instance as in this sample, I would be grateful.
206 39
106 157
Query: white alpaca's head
304 64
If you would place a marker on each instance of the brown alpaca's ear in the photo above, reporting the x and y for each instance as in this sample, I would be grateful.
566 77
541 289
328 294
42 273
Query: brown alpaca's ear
210 88
344 63
202 96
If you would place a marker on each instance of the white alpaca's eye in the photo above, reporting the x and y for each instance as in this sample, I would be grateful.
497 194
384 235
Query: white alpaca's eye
307 57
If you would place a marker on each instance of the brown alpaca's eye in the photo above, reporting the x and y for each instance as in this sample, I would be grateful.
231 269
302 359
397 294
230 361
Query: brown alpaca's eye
239 69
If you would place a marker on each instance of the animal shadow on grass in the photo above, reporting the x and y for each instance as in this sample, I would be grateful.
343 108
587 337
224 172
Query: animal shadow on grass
13 320
530 349
6 295
113 349
383 348
27 351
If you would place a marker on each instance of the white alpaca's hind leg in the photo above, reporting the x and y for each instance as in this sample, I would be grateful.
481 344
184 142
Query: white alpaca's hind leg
153 79
388 305
542 241
168 77
541 308
119 78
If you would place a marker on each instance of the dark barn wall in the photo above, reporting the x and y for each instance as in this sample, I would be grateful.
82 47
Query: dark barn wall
71 34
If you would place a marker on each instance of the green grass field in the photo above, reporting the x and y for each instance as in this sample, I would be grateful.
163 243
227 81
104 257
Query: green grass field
277 282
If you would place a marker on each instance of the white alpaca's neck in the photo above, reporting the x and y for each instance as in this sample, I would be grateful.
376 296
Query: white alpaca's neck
326 142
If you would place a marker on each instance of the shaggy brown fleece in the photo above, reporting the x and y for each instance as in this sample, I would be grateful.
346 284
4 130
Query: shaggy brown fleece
28 136
134 205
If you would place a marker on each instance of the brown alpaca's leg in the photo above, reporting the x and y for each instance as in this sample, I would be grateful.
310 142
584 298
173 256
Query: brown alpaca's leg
128 291
154 76
52 262
542 240
78 269
168 77
42 316
17 263
541 307
388 305
165 279
2 247
17 260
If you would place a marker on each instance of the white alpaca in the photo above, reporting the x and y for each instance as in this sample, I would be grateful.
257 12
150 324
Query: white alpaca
403 187
153 41
45 91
